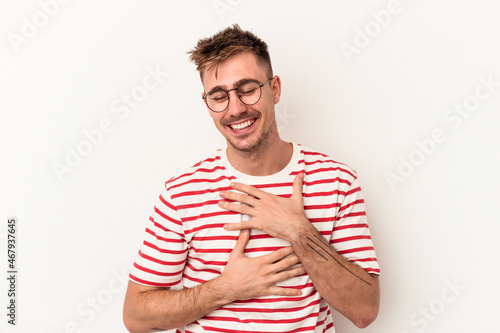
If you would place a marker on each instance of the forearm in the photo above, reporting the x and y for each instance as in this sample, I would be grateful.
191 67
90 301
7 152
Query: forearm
161 309
347 287
149 309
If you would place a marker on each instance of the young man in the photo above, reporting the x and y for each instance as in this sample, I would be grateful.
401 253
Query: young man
262 236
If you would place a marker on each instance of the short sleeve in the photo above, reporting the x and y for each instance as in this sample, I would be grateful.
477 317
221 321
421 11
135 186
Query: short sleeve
162 257
351 235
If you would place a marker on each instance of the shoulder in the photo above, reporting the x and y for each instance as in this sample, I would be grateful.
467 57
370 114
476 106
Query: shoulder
316 162
205 168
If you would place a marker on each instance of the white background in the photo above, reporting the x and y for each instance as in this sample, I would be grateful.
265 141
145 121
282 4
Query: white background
435 228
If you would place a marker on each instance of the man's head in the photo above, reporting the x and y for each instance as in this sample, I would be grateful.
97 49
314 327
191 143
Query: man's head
229 63
210 52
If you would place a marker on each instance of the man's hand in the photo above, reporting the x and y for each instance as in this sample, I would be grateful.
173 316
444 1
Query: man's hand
274 215
147 309
247 278
344 285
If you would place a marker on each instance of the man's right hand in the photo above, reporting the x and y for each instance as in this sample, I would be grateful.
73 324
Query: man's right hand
247 278
149 309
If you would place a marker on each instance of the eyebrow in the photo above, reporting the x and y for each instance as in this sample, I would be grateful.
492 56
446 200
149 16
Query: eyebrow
235 84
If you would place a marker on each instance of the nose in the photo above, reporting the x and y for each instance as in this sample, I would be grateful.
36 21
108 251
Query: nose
235 106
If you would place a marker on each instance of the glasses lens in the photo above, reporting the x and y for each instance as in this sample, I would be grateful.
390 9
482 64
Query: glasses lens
217 100
249 92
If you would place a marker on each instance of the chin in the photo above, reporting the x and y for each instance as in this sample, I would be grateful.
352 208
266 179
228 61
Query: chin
243 147
254 146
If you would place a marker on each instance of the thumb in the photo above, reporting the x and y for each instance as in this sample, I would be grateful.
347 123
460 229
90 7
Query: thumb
297 185
242 241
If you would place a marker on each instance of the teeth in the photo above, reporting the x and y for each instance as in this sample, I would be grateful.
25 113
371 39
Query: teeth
242 125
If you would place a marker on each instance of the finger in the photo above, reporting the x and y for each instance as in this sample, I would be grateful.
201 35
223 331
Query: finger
279 254
253 191
242 241
235 207
286 261
238 197
285 264
297 185
279 291
290 260
238 226
288 274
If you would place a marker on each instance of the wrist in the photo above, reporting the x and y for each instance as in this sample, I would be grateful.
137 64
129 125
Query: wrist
299 234
221 291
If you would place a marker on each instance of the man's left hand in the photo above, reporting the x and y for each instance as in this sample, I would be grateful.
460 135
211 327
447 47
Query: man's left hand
277 216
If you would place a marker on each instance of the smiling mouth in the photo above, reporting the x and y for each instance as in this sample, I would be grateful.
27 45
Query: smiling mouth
242 125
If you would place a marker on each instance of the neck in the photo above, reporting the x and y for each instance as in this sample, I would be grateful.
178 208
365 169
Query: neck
261 162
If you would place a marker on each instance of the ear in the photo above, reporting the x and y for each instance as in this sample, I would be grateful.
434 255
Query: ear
276 89
204 99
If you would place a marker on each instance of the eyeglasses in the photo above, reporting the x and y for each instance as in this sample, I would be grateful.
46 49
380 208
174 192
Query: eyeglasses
249 93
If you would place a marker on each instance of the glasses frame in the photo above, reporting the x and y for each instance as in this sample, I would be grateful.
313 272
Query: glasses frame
239 96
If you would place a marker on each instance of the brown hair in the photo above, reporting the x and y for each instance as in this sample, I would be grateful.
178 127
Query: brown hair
213 50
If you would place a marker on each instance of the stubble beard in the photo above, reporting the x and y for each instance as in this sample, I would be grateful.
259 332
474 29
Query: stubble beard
257 148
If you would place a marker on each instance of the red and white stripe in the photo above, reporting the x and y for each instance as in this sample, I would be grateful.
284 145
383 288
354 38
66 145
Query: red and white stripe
185 243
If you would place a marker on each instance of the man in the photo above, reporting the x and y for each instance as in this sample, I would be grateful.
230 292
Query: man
262 236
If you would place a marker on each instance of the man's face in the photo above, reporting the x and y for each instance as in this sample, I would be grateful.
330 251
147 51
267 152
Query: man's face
245 127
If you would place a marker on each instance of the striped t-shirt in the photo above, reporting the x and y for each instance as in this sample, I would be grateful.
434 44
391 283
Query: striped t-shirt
185 243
